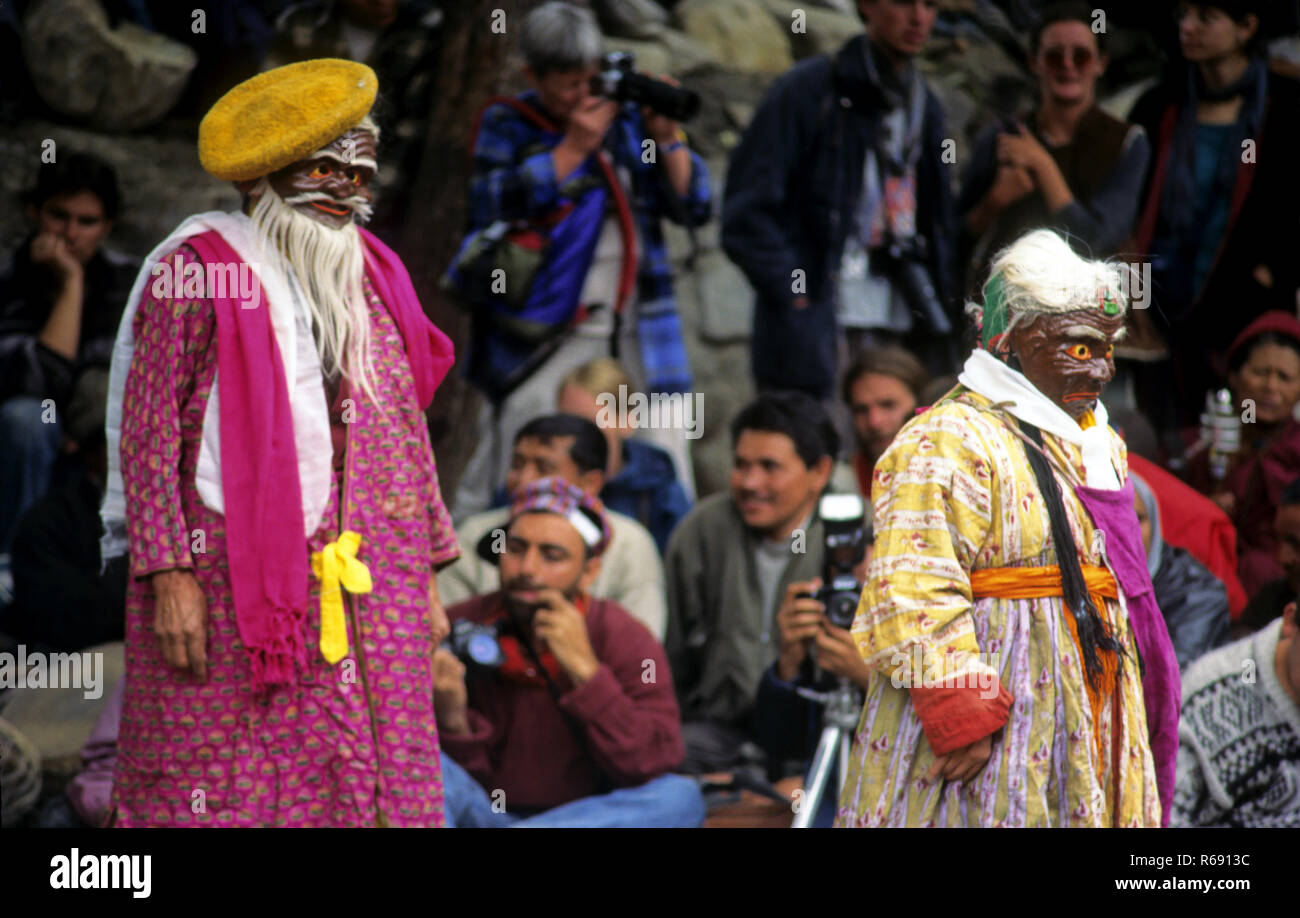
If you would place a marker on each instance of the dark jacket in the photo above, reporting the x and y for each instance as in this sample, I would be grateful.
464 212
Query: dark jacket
794 183
27 294
61 599
519 740
786 724
1193 602
1264 606
646 488
1260 232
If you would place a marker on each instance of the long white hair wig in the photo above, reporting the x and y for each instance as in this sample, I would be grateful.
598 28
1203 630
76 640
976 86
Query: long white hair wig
1038 275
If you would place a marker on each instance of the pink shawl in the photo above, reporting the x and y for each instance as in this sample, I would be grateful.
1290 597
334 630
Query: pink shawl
265 545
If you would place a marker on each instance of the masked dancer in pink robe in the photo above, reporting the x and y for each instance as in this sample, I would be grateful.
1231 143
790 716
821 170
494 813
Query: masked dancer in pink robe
273 480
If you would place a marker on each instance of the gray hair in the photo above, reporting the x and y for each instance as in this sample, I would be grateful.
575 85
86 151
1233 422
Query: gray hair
558 36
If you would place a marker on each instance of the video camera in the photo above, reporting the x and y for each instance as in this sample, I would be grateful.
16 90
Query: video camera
847 538
618 80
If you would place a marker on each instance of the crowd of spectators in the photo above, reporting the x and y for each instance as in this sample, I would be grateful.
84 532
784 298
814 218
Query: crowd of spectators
844 216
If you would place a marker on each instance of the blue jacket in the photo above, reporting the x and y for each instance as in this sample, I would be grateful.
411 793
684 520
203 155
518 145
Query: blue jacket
513 178
646 488
792 186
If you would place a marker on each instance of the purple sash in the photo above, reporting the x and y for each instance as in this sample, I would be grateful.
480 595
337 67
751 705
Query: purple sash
1112 512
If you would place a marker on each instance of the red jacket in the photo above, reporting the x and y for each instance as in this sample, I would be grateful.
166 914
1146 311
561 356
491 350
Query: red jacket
627 714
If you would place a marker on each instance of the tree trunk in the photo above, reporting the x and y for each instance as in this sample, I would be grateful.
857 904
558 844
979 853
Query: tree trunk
475 63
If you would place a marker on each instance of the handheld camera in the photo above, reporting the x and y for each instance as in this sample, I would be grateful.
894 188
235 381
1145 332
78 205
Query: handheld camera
618 80
847 538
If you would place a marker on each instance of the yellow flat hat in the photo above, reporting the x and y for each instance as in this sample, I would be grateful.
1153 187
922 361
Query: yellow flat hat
278 117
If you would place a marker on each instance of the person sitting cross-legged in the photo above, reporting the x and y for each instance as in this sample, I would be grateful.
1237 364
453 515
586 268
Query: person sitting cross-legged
576 724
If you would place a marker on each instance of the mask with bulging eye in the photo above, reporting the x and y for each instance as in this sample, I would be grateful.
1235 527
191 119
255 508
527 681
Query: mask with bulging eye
1068 357
331 186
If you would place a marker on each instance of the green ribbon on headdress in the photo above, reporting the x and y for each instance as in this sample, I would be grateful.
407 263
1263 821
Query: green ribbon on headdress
993 320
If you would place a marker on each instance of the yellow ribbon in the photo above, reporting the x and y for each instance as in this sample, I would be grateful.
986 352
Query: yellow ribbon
336 563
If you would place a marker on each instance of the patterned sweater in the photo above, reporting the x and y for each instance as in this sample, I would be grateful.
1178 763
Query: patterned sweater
1239 751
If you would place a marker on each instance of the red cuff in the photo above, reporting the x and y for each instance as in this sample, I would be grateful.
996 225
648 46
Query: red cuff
953 717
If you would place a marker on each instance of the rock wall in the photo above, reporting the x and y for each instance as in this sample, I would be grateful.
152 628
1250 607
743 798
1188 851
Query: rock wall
727 50
159 174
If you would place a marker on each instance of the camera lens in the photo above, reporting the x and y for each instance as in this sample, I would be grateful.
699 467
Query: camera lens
841 609
484 650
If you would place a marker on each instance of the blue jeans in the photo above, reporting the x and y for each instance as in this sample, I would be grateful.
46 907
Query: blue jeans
26 461
667 802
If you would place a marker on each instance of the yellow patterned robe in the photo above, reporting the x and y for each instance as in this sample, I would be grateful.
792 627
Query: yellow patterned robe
955 493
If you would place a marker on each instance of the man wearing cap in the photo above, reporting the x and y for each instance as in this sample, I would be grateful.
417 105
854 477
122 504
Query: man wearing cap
271 473
576 450
1022 673
572 721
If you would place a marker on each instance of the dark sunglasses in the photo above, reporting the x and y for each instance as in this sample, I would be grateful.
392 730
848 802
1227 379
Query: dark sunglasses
1081 57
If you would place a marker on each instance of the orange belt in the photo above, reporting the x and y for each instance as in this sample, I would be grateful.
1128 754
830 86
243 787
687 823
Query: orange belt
1044 583
1037 582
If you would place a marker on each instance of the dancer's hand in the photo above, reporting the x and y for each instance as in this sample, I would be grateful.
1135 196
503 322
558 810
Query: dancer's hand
180 620
962 764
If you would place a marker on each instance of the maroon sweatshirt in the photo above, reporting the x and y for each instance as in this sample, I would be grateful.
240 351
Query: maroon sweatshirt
518 740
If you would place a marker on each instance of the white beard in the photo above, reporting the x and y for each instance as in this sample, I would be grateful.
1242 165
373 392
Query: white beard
329 265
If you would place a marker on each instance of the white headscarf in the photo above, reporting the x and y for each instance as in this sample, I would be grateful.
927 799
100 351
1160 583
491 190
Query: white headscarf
993 379
302 371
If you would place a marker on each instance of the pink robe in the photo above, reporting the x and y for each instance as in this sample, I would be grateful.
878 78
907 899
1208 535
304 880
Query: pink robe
353 744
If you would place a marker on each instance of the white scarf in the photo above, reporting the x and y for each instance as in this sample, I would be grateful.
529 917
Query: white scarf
993 379
302 371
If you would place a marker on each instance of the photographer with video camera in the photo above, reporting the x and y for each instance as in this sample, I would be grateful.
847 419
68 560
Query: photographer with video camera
556 708
818 668
729 563
565 259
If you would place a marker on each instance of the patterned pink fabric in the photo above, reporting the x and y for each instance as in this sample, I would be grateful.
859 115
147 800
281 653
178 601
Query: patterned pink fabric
353 744
268 571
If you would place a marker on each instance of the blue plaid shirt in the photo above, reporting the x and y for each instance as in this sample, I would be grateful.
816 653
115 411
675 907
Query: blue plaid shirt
513 178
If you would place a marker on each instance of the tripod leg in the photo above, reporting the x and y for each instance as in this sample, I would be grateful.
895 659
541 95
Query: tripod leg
818 777
846 744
